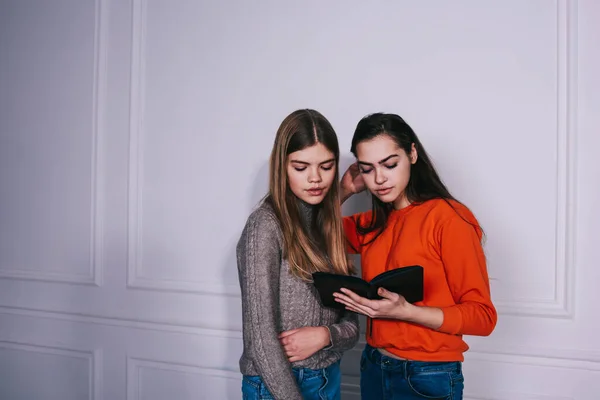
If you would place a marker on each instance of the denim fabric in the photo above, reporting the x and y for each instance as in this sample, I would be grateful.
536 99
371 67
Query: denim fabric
315 384
383 377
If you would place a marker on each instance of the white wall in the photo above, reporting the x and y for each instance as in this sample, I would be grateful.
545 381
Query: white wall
134 140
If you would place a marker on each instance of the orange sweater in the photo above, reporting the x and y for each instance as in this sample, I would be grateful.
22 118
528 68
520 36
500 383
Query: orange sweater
431 234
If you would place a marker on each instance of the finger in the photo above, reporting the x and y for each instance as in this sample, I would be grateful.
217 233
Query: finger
351 294
341 296
347 301
356 310
360 300
287 333
369 312
359 308
290 353
344 300
386 294
289 347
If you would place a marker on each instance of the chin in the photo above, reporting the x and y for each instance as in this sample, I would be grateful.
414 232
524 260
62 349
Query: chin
387 198
313 200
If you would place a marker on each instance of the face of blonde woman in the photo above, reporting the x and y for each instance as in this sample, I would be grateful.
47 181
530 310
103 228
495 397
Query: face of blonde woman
311 172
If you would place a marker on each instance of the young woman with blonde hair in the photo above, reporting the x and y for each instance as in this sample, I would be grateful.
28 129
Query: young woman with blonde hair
293 345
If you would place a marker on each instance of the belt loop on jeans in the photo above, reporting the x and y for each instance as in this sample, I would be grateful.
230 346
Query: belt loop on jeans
372 354
406 369
300 375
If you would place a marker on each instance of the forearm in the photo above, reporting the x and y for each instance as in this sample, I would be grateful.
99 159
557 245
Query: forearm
274 367
269 359
430 317
461 319
469 318
268 356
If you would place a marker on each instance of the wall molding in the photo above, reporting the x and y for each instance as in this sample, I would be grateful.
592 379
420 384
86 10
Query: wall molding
123 322
350 388
136 279
570 359
136 365
581 359
93 357
561 305
94 273
540 358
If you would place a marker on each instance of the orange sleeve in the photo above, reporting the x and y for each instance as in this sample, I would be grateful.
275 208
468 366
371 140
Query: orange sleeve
466 272
352 242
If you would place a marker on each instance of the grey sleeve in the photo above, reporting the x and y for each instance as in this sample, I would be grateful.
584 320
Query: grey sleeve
259 260
344 335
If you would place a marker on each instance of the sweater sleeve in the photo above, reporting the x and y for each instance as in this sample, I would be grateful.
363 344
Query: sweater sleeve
259 258
466 272
352 243
344 335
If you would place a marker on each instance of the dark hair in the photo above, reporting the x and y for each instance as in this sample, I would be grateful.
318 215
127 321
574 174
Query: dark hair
424 182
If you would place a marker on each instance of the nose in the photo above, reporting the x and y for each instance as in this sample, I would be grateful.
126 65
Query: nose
314 176
379 177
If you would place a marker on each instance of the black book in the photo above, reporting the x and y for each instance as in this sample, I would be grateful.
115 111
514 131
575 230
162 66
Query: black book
406 281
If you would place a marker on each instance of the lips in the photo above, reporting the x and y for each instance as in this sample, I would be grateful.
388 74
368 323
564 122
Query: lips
315 191
384 191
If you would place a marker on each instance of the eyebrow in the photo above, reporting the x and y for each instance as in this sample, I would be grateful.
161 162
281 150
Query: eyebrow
306 163
380 162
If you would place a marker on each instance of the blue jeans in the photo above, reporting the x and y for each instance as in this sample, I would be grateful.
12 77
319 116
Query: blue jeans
314 384
383 377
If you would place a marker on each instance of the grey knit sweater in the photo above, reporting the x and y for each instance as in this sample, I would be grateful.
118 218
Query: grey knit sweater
273 301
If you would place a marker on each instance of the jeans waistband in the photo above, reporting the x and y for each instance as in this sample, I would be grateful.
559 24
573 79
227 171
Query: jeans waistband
409 366
306 373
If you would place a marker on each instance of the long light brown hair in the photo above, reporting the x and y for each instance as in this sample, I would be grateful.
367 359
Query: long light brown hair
327 250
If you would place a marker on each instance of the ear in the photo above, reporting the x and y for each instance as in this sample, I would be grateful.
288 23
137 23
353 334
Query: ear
413 154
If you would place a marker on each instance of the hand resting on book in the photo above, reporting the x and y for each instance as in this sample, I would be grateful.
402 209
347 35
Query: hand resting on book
391 306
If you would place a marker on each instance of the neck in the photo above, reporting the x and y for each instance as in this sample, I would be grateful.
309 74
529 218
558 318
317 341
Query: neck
307 213
401 202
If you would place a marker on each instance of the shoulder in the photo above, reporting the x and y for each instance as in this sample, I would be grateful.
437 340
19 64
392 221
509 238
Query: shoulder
445 210
262 222
264 215
453 218
362 217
